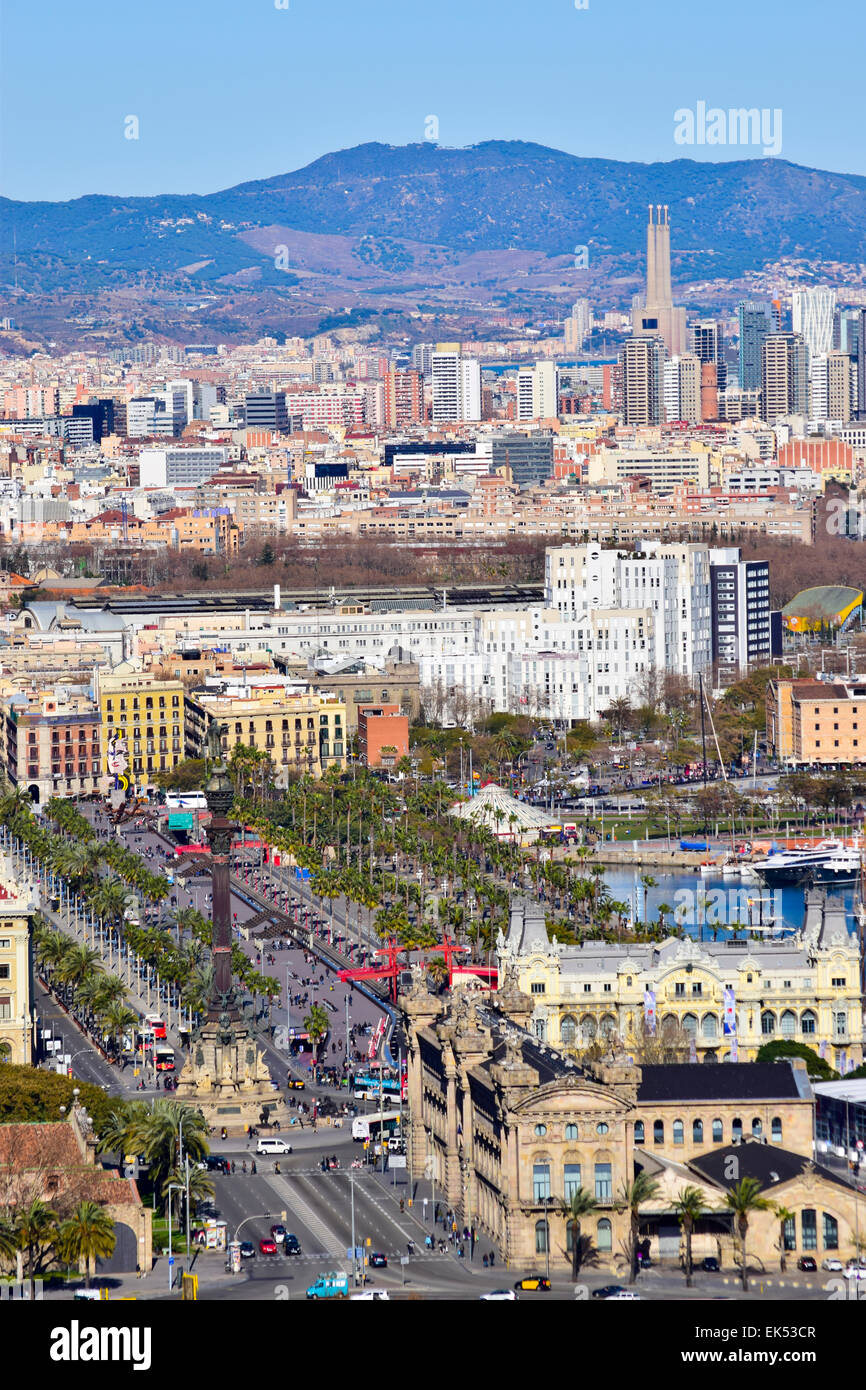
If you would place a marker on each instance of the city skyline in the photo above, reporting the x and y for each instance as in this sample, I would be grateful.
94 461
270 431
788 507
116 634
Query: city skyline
203 125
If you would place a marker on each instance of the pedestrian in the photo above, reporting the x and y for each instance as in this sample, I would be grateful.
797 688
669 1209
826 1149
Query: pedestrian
253 1169
485 1261
491 1259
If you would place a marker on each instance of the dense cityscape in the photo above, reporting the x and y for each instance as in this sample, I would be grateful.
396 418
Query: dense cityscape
432 799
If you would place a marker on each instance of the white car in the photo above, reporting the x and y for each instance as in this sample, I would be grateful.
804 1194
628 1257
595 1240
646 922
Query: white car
367 1295
273 1146
854 1272
834 1266
499 1296
624 1296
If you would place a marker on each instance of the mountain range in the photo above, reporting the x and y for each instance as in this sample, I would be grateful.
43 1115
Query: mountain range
379 229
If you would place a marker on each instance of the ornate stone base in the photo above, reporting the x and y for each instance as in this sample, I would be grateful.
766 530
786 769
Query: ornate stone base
228 1079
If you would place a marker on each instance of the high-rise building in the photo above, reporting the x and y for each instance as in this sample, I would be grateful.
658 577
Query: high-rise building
682 388
404 399
578 325
658 316
832 387
784 376
538 392
456 386
708 345
740 597
812 313
422 359
642 361
755 322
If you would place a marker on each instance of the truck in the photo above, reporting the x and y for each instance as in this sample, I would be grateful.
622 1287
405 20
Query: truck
332 1285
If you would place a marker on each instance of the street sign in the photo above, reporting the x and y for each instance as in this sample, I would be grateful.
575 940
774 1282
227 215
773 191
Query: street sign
396 1160
404 1259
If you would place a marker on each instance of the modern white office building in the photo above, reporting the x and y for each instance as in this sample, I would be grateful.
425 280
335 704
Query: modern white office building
456 387
812 313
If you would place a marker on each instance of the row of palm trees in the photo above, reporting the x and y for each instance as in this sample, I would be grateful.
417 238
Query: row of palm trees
37 1237
77 974
164 1132
741 1201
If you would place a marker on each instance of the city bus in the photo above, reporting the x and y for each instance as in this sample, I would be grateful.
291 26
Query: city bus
375 1126
367 1087
154 1024
164 1059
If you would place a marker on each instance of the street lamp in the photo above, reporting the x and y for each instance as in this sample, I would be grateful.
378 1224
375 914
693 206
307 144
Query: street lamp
179 1186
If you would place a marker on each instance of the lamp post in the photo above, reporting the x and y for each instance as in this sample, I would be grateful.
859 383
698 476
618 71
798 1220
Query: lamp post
179 1186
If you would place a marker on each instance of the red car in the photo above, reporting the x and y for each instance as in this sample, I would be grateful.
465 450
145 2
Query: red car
268 1246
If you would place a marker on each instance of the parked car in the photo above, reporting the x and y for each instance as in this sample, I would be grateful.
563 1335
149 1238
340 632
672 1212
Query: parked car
622 1295
268 1246
854 1271
710 1265
807 1264
499 1296
834 1266
608 1290
368 1295
533 1283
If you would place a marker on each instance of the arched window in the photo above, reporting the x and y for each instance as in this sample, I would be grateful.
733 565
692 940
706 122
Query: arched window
830 1232
541 1237
718 1132
790 1235
541 1029
809 1228
788 1024
658 1131
736 1130
608 1026
808 1021
678 1132
603 1236
757 1129
588 1029
638 1132
768 1023
571 1131
690 1025
568 1031
697 1131
710 1026
776 1130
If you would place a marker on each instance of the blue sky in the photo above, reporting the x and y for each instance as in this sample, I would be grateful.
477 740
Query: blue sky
229 90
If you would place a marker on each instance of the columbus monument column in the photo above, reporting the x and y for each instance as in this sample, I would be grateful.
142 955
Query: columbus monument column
226 1076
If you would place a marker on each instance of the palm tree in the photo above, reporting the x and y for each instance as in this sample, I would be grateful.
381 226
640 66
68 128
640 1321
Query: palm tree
648 882
690 1207
36 1233
86 1236
316 1024
783 1216
741 1200
580 1204
632 1196
157 1134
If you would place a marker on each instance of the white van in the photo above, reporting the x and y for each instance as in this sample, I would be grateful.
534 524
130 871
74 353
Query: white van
273 1146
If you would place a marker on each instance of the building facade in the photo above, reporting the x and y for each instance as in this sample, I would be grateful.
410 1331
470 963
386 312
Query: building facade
725 998
17 1013
142 717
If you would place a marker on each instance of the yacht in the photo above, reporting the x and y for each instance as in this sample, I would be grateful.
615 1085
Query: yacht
829 861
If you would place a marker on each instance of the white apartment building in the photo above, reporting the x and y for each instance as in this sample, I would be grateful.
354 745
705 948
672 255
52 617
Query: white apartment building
812 312
456 387
671 580
682 388
538 392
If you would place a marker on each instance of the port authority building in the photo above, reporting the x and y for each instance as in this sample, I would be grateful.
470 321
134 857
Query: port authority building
728 997
509 1128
